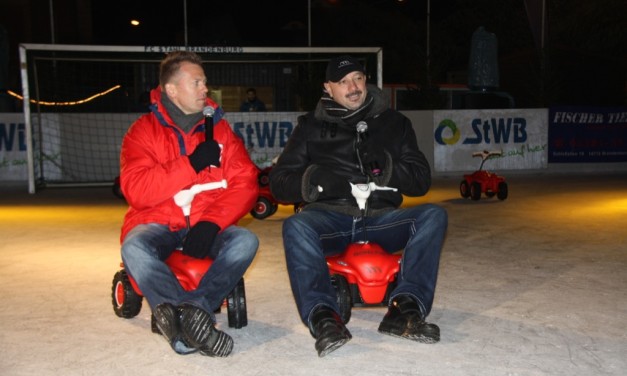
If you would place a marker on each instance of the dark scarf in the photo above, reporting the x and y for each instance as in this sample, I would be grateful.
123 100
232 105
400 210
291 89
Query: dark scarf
184 121
336 110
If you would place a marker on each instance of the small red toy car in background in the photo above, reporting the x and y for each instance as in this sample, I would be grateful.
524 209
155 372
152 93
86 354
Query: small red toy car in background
482 181
266 204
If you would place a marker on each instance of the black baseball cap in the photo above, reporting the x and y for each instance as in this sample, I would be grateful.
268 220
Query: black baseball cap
340 66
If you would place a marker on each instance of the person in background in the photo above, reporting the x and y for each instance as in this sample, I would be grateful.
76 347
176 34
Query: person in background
325 152
252 103
164 152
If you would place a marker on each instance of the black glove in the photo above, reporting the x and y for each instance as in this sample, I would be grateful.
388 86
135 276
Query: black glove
372 157
333 185
199 239
206 154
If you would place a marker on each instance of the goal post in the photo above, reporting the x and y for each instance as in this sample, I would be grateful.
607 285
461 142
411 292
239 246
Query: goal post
79 100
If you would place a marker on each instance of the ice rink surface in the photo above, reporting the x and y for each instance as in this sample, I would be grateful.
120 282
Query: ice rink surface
533 285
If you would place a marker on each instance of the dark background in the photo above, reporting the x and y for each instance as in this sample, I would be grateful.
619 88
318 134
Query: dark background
583 62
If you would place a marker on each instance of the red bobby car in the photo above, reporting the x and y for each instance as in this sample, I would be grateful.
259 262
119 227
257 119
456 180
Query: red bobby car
482 181
364 274
266 204
127 297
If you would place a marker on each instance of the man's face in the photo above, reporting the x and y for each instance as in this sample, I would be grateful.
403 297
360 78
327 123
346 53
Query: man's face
188 89
350 91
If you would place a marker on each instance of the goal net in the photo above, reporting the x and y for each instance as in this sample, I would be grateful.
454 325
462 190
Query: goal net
80 100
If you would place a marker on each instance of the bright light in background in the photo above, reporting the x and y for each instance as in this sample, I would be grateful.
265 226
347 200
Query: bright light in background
135 22
68 103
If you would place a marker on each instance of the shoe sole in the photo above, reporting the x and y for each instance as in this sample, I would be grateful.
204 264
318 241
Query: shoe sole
422 338
334 346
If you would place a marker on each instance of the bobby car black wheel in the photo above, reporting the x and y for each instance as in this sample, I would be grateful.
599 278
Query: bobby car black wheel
263 208
343 292
502 193
475 191
126 302
236 306
464 189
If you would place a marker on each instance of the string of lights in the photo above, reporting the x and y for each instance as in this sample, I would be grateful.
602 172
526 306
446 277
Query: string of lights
69 103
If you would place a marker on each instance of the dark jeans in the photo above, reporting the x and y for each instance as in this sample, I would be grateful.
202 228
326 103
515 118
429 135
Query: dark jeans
147 246
311 235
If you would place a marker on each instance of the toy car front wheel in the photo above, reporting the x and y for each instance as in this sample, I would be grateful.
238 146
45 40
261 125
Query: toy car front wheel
502 193
343 296
475 191
464 189
236 306
126 302
263 208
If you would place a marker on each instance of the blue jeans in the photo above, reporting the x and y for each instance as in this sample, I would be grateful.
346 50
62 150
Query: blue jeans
147 246
311 235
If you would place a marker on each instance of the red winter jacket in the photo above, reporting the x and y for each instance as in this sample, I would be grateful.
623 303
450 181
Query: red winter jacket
154 167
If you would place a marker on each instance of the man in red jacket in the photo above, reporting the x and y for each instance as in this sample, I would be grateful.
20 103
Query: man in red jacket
164 152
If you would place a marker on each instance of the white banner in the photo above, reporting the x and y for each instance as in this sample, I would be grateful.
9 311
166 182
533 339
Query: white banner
13 163
521 136
264 133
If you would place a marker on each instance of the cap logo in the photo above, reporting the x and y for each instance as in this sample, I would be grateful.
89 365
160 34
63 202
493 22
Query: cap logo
344 63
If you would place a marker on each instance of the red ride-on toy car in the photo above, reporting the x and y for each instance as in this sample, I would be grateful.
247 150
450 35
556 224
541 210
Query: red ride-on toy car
127 297
482 181
266 204
364 274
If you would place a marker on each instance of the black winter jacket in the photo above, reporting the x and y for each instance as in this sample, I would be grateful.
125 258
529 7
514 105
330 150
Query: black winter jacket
322 141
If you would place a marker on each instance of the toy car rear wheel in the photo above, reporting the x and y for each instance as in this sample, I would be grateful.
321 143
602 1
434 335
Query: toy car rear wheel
263 208
464 189
343 296
502 193
236 306
475 191
126 302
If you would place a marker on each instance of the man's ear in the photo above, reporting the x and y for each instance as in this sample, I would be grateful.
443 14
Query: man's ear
170 89
327 88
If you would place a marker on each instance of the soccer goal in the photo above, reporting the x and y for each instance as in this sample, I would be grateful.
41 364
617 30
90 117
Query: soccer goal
80 100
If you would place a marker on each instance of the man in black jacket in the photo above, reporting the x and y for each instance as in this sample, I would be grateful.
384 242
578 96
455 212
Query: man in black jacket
353 136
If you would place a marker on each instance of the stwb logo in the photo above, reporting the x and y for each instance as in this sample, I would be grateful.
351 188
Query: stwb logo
487 131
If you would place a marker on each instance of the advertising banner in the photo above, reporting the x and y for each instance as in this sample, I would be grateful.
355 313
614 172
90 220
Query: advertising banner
264 133
520 135
587 134
13 162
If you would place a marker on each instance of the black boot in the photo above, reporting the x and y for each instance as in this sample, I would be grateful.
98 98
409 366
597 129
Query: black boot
405 320
167 321
327 328
198 329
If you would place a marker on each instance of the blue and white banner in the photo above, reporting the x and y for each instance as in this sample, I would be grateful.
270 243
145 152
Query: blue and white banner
13 159
587 134
264 133
520 135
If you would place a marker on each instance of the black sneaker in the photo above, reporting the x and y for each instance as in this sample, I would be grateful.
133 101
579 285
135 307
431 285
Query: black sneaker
329 331
198 329
167 321
405 320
